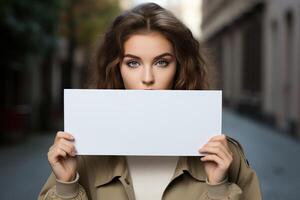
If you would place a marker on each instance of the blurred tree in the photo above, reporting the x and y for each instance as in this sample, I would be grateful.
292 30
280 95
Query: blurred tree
30 30
81 23
27 28
90 18
28 34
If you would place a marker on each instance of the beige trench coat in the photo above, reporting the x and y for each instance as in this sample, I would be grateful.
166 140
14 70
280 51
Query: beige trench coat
108 178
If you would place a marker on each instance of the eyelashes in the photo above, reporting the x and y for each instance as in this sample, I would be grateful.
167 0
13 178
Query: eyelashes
133 64
160 63
163 63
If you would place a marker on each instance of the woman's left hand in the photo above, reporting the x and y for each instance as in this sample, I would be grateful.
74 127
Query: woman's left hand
217 159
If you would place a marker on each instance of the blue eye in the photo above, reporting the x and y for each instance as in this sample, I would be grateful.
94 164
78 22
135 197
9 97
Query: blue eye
162 63
133 64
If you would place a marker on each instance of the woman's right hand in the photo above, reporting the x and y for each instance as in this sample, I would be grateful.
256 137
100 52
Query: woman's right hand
62 157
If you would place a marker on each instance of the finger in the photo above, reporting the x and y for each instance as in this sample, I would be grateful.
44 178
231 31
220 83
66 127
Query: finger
219 150
67 148
215 150
222 138
213 158
67 142
58 144
226 158
63 135
55 154
50 149
220 145
218 137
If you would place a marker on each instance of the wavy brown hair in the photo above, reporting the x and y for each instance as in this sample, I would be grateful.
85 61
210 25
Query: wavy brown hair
191 72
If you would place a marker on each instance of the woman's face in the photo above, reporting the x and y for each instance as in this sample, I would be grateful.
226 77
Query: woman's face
148 63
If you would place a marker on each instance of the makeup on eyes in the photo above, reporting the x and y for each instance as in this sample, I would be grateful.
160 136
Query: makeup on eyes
165 61
130 62
134 61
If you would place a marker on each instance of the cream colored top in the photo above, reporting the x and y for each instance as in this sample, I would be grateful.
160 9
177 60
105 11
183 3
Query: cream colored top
151 175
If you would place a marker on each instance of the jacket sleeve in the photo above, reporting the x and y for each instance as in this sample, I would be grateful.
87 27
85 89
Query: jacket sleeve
242 182
58 190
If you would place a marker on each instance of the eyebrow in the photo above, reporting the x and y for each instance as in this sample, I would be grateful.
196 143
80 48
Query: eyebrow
156 57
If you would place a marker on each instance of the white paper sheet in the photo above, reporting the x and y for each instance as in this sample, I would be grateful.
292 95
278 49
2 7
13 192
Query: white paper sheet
142 122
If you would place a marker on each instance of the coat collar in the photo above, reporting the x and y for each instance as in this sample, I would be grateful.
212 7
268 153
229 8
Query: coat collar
191 165
116 167
111 167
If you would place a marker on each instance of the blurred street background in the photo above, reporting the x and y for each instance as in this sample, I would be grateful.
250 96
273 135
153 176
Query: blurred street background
252 45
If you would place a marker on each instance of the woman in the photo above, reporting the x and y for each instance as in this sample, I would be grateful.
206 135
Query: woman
148 48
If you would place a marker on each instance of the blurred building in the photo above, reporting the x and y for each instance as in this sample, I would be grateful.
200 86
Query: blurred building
256 44
54 56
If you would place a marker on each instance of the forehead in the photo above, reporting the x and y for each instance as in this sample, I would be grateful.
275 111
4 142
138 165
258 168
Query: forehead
152 43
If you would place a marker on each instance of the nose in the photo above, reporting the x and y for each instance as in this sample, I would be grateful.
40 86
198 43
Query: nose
148 76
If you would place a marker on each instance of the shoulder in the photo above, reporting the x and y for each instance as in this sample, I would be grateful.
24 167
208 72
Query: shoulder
240 165
237 149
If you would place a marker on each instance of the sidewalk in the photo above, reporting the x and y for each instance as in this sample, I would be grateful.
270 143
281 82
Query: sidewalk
274 156
24 167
